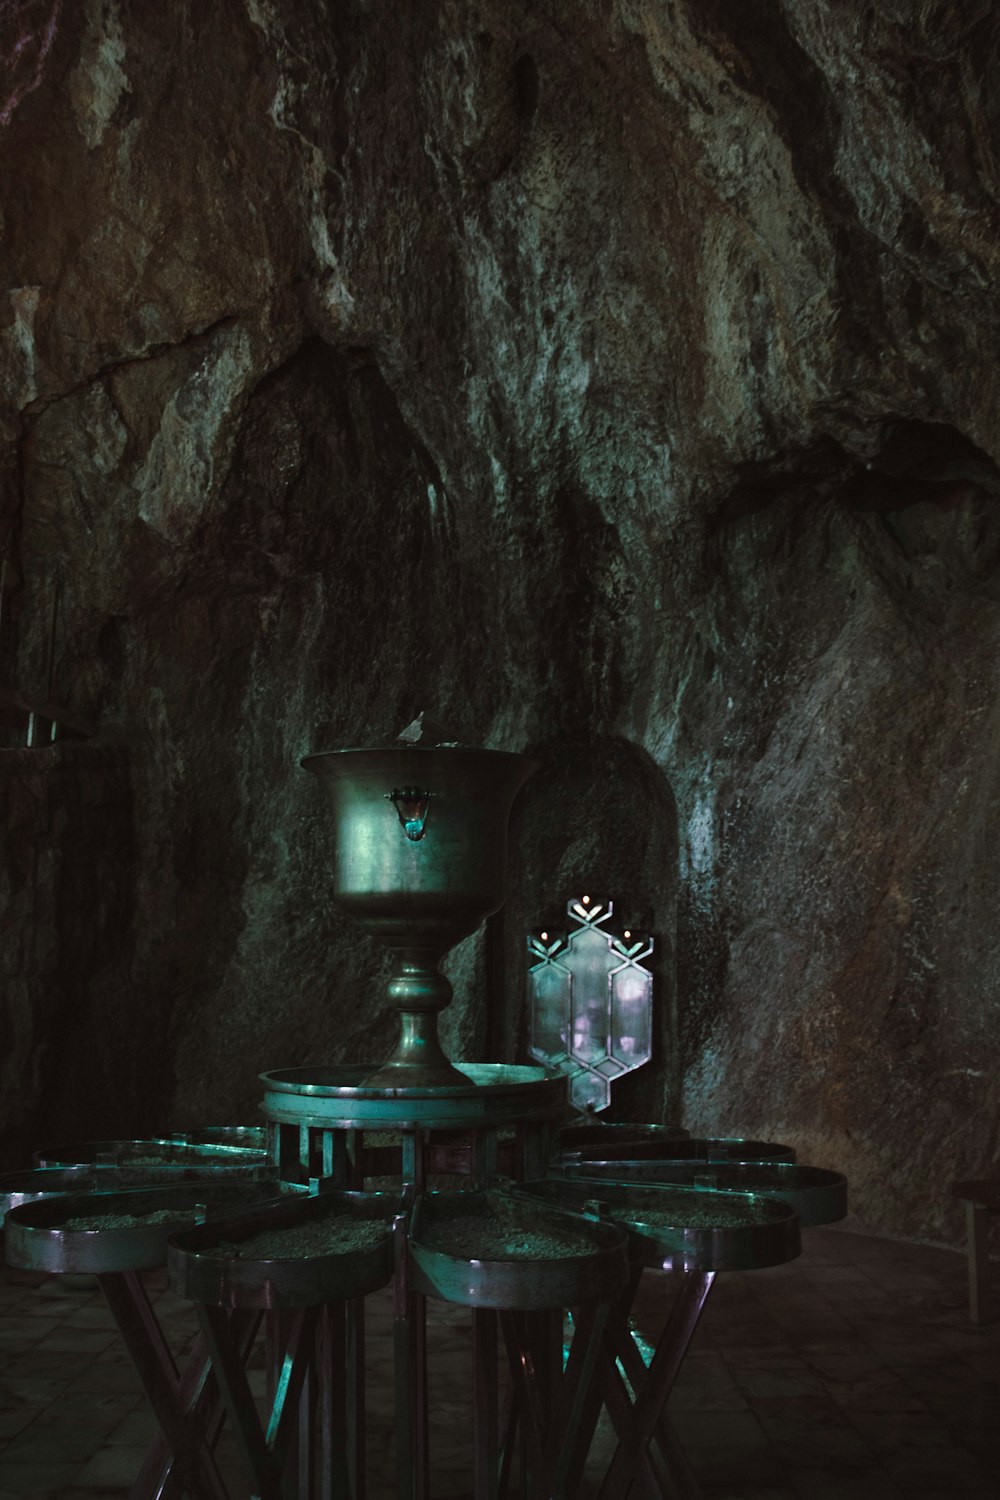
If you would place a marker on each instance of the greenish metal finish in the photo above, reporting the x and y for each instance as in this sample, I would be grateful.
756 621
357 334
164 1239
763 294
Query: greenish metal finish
202 1271
432 892
420 861
525 1284
488 1095
716 1149
233 1146
46 1182
36 1239
704 1231
577 1137
817 1196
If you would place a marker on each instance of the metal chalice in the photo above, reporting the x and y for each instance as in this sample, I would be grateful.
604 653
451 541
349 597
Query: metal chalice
421 854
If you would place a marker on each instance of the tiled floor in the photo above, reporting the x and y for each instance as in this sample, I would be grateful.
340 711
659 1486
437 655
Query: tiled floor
852 1374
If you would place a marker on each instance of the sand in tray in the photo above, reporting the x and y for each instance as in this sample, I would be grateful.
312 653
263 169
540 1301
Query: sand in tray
493 1232
129 1221
305 1241
685 1216
233 1157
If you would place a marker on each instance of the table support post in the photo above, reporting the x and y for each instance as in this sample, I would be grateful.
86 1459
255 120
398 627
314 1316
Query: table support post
977 1246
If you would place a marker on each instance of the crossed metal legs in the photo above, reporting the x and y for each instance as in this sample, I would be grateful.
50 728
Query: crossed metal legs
662 1471
187 1404
316 1389
316 1386
315 1364
551 1412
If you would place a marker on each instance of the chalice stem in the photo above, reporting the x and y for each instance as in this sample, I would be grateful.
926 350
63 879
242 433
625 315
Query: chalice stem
419 991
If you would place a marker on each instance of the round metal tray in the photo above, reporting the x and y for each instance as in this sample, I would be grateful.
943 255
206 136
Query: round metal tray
45 1182
37 1238
202 1270
162 1151
816 1195
713 1149
338 1098
704 1231
593 1134
520 1281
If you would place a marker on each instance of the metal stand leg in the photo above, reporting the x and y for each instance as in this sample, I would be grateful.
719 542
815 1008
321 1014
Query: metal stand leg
410 1362
356 1459
484 1158
305 1445
570 1405
141 1333
676 1476
652 1396
647 1481
421 1455
264 1453
977 1246
160 1478
333 1423
508 1427
549 1409
485 1393
525 1395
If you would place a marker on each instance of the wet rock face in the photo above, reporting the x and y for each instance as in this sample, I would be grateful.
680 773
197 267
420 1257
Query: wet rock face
618 380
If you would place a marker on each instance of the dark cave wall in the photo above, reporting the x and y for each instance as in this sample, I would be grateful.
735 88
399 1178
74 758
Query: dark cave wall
74 1045
613 378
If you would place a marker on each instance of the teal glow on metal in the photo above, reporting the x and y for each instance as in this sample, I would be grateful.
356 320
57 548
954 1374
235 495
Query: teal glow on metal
645 1348
595 1268
493 1094
680 1228
280 1395
817 1195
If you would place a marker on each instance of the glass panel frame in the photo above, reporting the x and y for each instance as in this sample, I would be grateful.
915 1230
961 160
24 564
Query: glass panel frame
590 1002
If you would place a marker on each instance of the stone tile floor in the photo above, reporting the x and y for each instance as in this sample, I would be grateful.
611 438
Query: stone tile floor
852 1374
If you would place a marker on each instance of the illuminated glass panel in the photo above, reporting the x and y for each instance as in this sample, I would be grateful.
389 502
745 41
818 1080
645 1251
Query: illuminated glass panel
590 1002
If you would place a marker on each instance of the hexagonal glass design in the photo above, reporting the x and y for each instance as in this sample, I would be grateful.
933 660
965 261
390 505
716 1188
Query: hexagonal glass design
590 1001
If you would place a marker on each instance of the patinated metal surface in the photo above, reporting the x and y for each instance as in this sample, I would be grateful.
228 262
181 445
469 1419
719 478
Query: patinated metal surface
579 1137
648 1458
817 1196
485 1094
37 1238
420 860
204 1269
43 1182
706 1149
596 1270
235 1146
682 1228
590 1001
180 1459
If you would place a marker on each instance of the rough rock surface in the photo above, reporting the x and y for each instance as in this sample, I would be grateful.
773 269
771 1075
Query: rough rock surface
617 378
